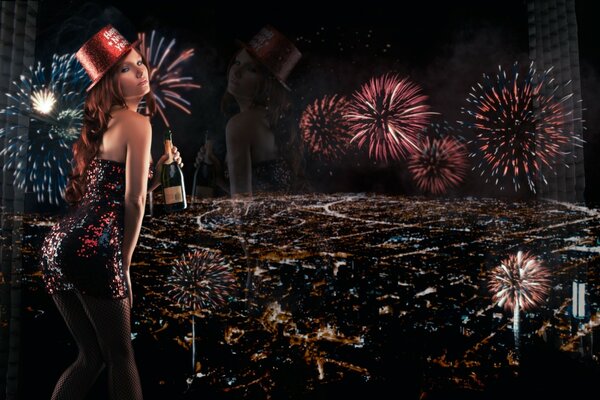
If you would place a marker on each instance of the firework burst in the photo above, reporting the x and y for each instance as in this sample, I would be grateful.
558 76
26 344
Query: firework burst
387 114
202 281
165 73
324 128
39 150
520 281
439 164
520 125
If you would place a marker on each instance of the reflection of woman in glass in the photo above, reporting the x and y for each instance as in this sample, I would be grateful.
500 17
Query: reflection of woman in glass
87 255
263 148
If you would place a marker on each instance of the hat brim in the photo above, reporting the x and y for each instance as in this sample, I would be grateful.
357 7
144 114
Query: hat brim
257 59
129 48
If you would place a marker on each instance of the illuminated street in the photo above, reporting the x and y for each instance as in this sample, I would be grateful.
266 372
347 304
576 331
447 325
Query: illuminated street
354 291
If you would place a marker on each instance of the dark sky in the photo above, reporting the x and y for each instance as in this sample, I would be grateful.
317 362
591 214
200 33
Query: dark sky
443 46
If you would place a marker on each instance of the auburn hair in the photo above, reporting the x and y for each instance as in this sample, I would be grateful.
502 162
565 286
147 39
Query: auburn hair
96 116
276 100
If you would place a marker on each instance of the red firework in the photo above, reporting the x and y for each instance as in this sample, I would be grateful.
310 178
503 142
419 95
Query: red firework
324 128
387 113
165 73
520 125
439 164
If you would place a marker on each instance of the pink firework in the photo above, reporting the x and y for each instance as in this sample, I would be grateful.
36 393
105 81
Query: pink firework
387 113
439 164
324 128
165 73
520 125
519 282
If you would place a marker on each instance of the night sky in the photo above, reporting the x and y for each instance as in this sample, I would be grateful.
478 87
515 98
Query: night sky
444 48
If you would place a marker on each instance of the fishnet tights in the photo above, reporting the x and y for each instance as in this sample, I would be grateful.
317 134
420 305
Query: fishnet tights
101 328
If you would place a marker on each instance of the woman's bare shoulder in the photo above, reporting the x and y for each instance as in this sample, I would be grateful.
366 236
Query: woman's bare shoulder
245 124
130 122
126 116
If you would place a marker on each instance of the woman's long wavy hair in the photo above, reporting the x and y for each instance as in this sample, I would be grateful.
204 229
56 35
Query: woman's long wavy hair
96 116
276 100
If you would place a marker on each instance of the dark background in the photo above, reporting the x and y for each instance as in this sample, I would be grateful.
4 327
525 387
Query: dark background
444 47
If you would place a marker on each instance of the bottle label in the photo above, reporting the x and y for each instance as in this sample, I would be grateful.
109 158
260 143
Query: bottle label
173 195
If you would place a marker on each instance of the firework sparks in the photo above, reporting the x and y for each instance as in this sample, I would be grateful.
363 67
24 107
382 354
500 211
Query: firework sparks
40 151
165 73
520 125
324 128
442 129
202 281
387 113
43 101
439 164
519 281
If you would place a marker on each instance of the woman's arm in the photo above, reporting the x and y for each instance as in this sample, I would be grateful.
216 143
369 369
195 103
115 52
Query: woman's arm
155 183
239 161
139 140
221 181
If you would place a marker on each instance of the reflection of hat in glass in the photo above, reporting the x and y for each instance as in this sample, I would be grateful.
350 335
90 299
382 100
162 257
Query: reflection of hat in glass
102 51
273 50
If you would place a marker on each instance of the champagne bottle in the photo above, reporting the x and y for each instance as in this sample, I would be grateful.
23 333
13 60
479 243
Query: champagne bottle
173 184
205 177
149 212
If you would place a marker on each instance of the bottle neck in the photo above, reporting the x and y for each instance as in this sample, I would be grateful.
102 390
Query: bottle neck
168 151
208 148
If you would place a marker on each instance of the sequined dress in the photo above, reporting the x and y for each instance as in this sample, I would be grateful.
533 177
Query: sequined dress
83 251
270 176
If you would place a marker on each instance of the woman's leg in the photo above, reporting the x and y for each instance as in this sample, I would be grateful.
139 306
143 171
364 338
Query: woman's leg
111 320
76 381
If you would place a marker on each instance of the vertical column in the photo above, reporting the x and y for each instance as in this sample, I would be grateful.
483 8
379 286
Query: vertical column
6 35
553 43
17 47
573 40
565 89
553 60
543 62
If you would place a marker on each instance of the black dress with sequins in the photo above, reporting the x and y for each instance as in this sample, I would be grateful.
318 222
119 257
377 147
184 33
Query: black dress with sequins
270 176
83 251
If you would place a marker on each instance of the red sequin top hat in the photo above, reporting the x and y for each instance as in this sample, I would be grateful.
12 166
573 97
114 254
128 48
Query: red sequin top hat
273 50
102 51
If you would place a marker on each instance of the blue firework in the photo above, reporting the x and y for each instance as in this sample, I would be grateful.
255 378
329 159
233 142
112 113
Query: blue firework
45 115
442 129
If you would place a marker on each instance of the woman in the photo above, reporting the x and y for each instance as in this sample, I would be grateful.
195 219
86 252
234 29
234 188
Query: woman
87 255
263 147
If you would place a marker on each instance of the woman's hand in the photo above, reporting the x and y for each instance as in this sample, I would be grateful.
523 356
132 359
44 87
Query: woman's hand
128 277
202 156
161 161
